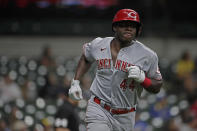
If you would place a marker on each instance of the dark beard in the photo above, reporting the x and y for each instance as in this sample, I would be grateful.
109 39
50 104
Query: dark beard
123 42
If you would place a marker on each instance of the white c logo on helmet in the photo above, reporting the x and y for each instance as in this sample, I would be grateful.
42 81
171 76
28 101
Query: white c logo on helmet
132 14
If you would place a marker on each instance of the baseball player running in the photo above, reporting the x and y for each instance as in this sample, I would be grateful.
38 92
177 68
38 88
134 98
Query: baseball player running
125 67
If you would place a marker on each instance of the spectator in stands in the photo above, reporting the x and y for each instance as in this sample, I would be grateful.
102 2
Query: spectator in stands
12 117
160 109
185 66
66 82
3 125
47 125
19 125
47 58
140 125
9 89
172 125
66 118
189 121
193 108
51 88
195 66
29 90
184 70
186 121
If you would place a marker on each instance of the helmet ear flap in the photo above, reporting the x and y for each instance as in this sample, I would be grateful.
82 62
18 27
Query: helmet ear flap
113 25
139 30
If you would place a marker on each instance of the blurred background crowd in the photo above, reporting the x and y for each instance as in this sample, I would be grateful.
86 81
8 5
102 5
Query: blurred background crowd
41 42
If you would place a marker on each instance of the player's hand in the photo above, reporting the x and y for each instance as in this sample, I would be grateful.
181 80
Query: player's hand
75 92
136 73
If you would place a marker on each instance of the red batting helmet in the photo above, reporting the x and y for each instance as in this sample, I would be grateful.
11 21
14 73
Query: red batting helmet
126 14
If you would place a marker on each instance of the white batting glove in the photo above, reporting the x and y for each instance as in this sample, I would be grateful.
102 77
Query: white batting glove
75 92
136 73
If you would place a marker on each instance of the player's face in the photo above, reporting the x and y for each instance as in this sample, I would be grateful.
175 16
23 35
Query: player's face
125 31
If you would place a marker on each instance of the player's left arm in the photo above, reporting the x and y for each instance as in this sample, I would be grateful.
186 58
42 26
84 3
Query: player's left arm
151 85
150 80
153 78
154 87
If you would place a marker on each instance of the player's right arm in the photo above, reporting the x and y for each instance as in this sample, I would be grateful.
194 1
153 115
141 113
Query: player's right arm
75 91
84 64
82 67
87 58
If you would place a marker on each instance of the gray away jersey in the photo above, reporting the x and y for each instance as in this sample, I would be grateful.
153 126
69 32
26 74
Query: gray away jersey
111 82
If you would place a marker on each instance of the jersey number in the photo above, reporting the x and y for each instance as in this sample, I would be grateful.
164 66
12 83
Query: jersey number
123 85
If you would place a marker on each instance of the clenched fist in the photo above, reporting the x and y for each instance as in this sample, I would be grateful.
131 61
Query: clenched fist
75 92
136 73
